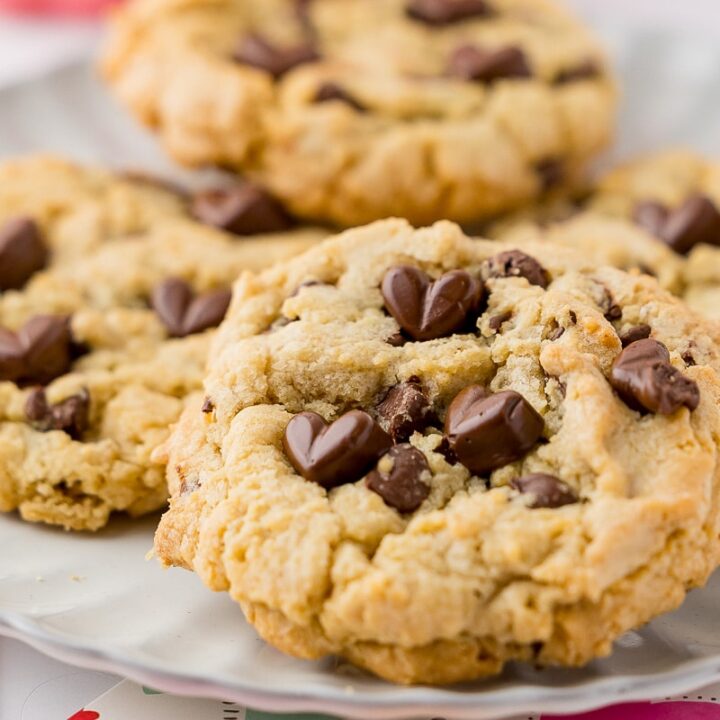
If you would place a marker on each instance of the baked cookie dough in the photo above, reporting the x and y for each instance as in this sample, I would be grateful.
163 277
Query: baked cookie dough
433 455
658 215
108 290
355 110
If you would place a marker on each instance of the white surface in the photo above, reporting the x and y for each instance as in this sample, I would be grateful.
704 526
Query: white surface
126 615
34 687
96 602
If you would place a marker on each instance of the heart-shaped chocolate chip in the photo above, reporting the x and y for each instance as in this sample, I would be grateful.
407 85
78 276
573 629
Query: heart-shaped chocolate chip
257 51
646 381
513 263
427 310
470 62
694 222
243 209
548 491
405 410
487 431
399 478
39 352
71 415
335 454
22 252
445 12
183 313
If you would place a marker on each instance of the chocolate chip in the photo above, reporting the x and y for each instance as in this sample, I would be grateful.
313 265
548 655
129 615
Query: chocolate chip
646 381
38 353
396 340
182 312
22 252
258 52
71 415
586 70
548 491
556 333
573 317
639 332
329 92
496 321
688 358
551 172
208 405
427 310
470 62
614 312
445 12
696 221
335 454
487 431
401 484
651 216
513 263
242 209
405 410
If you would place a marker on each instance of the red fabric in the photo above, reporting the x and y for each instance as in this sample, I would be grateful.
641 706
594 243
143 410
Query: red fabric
56 7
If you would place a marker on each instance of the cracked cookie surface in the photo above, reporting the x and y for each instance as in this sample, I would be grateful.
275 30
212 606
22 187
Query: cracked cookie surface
355 110
658 215
433 455
108 288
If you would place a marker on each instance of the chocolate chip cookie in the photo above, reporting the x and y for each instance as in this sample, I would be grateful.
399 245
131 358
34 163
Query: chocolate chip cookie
107 289
658 215
355 110
433 455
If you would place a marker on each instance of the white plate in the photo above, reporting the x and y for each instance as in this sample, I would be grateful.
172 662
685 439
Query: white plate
95 602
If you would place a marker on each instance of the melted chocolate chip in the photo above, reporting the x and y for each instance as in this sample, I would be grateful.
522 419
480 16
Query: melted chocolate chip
487 431
71 415
396 340
646 381
242 209
38 353
470 62
551 172
329 92
445 12
651 216
405 410
183 313
335 454
696 221
548 491
401 484
688 358
514 263
208 405
586 70
639 332
497 321
258 52
614 312
427 309
22 252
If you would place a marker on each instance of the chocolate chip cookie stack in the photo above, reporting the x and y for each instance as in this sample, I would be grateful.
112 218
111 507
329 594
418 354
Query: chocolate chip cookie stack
425 453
